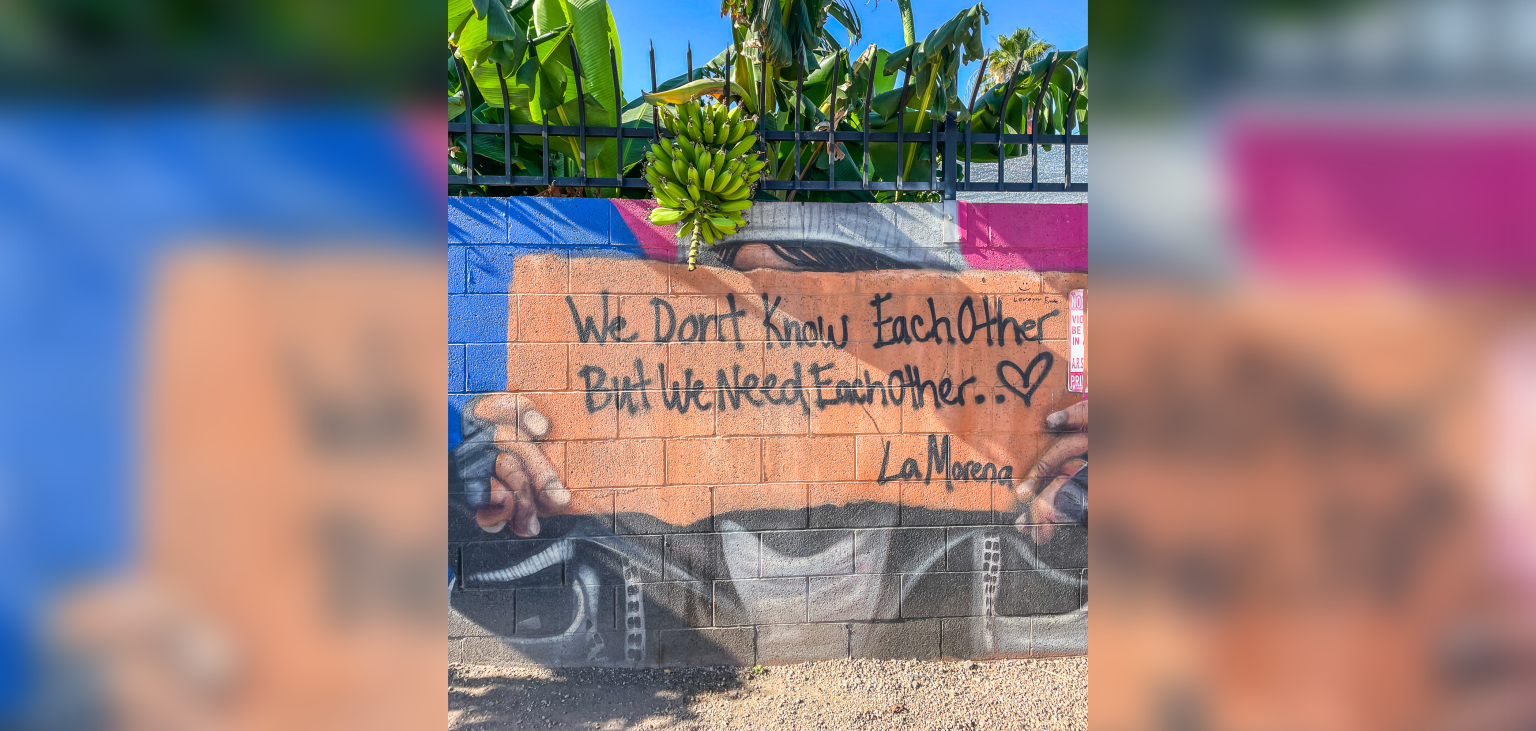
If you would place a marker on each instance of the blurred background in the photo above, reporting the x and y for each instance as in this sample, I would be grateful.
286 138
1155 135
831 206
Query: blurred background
221 278
1315 358
1314 346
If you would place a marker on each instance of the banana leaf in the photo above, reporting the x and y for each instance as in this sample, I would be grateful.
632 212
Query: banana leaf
744 79
768 23
489 89
490 147
593 30
459 12
693 90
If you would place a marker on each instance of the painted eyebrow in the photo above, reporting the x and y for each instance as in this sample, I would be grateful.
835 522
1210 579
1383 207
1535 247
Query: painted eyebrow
822 256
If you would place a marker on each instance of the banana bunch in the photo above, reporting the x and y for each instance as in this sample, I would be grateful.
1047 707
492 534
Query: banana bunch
704 178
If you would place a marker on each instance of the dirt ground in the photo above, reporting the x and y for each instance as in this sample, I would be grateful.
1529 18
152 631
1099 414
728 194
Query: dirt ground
843 694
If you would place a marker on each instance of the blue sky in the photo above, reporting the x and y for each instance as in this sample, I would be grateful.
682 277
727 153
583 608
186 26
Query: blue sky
671 25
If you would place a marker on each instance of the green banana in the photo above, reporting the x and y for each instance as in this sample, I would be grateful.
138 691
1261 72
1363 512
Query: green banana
742 147
668 169
664 216
703 176
726 183
734 206
722 223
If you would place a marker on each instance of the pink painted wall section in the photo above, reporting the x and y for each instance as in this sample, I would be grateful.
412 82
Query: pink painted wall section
1379 197
1038 236
658 242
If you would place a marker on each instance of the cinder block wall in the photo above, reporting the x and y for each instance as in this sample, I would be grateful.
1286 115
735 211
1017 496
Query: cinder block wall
795 453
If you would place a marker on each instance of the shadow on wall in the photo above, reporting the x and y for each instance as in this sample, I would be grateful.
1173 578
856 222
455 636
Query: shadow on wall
499 701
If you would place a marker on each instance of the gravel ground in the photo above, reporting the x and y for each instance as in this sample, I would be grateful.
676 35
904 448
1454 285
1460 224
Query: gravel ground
1052 170
843 694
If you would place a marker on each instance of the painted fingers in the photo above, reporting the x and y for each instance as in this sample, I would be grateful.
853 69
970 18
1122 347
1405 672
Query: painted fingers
526 485
1052 471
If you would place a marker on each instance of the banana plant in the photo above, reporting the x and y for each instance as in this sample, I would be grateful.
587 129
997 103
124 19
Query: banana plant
787 35
1062 109
932 83
532 43
775 43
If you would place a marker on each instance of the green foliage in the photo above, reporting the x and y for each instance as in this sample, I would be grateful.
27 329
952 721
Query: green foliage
1022 43
530 43
773 43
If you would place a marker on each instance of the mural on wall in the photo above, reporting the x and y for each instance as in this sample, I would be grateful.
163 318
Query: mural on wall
848 433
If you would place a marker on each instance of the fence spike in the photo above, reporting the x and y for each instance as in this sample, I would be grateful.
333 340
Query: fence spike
655 111
1002 122
581 116
832 125
467 83
970 122
506 124
1034 120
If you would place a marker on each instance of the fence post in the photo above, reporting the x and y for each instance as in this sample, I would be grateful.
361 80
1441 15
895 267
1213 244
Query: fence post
950 146
467 82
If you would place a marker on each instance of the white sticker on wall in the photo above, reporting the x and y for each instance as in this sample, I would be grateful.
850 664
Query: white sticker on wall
1077 380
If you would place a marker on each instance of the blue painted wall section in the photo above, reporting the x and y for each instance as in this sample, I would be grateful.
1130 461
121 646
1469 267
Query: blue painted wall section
486 236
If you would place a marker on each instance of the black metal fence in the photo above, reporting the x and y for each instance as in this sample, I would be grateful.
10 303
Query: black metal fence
947 136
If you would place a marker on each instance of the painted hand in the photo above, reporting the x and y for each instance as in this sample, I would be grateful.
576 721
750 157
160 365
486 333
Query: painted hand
506 476
1041 491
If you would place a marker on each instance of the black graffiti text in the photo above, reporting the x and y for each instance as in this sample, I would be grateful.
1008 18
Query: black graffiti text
695 328
612 327
941 330
620 394
805 385
938 460
800 334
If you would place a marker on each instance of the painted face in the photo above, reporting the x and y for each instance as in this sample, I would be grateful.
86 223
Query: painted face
829 405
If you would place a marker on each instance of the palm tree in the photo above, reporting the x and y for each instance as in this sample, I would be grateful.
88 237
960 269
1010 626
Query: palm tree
1023 42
